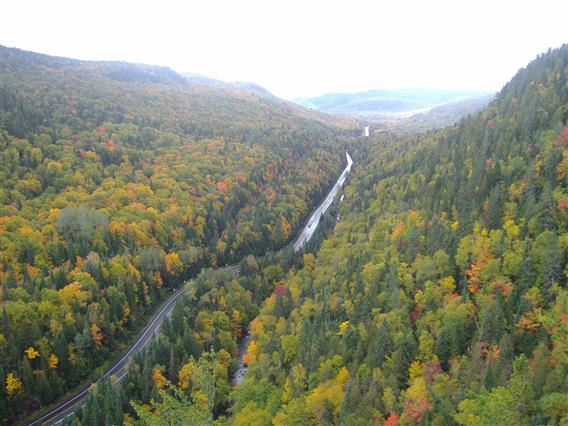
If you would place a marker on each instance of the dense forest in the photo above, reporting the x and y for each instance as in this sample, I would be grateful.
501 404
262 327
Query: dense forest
184 375
441 297
120 181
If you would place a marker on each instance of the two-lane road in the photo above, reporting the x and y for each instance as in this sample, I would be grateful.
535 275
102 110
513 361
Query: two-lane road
120 367
314 219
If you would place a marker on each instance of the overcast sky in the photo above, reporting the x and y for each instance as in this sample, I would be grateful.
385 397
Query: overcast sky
301 48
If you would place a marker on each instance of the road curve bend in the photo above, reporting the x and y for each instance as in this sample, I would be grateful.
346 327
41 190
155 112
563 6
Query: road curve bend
119 368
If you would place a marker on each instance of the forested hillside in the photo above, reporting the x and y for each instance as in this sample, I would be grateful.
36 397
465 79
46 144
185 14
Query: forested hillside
118 182
441 297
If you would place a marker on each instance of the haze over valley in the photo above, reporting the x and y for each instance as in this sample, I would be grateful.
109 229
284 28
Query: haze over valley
245 213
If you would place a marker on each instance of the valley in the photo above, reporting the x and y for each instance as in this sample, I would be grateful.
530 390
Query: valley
402 110
119 368
348 269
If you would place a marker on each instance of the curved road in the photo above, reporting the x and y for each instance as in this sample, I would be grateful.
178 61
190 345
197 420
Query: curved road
305 236
120 367
314 219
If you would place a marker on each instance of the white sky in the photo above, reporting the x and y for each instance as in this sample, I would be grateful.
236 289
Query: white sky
301 48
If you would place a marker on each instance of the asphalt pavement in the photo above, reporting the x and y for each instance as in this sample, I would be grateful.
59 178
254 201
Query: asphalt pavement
120 367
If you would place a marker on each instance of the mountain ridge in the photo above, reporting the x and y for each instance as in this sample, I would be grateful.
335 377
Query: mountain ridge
97 82
386 103
119 181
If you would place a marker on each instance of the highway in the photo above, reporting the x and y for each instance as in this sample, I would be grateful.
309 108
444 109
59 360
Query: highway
314 219
311 225
120 367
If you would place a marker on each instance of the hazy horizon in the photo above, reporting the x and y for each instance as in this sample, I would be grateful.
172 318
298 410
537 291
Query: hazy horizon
297 50
189 74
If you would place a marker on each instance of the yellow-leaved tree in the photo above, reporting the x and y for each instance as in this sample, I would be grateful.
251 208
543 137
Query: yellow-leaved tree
13 384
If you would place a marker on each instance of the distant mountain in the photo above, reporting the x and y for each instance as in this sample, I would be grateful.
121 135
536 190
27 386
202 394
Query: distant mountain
247 86
21 60
118 182
432 118
251 87
202 79
446 114
441 297
125 92
388 103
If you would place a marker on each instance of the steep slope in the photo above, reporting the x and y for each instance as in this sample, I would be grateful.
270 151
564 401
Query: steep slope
118 182
441 298
82 94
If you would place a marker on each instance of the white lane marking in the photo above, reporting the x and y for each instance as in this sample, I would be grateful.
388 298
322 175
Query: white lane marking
314 220
304 237
109 372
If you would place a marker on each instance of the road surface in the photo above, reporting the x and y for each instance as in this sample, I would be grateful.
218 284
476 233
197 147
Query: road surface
313 222
309 229
120 367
